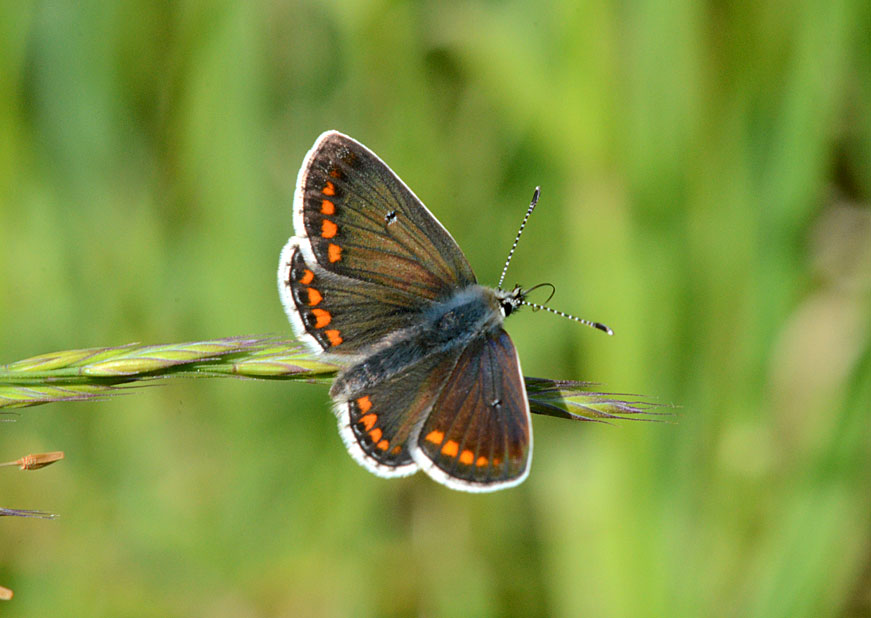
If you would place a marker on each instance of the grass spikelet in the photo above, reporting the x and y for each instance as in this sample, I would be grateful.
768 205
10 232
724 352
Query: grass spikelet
94 373
571 400
73 375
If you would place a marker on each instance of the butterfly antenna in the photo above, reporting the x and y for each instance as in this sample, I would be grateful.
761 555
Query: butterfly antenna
541 285
596 325
519 232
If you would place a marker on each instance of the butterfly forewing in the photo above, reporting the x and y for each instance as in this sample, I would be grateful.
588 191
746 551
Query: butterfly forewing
478 435
335 314
364 223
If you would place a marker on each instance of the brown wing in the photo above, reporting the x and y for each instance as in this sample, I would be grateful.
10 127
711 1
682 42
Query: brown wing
478 436
364 223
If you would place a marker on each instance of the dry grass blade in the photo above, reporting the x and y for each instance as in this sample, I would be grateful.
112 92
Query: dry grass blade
35 461
26 513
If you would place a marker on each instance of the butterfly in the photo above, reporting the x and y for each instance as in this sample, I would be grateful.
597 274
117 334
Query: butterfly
430 379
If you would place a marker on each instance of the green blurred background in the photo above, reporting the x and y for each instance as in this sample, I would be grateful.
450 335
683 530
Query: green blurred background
706 178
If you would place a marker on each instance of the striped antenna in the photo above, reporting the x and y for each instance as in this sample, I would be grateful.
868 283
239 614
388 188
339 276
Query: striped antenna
596 325
532 204
517 296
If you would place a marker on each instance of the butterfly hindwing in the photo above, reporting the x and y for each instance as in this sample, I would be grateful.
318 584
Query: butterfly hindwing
364 223
478 435
379 421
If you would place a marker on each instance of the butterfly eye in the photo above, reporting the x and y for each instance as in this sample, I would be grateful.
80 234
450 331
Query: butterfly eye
509 304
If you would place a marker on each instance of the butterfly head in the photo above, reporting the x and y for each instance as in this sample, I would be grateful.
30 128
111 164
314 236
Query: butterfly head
510 301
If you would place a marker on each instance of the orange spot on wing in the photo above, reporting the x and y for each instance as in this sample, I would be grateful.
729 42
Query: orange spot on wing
467 457
450 448
375 434
482 461
383 445
335 173
328 228
365 403
323 317
396 450
435 436
328 208
329 189
307 277
368 421
314 297
333 337
334 253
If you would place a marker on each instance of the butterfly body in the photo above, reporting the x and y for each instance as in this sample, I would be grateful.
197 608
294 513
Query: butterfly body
445 327
431 379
